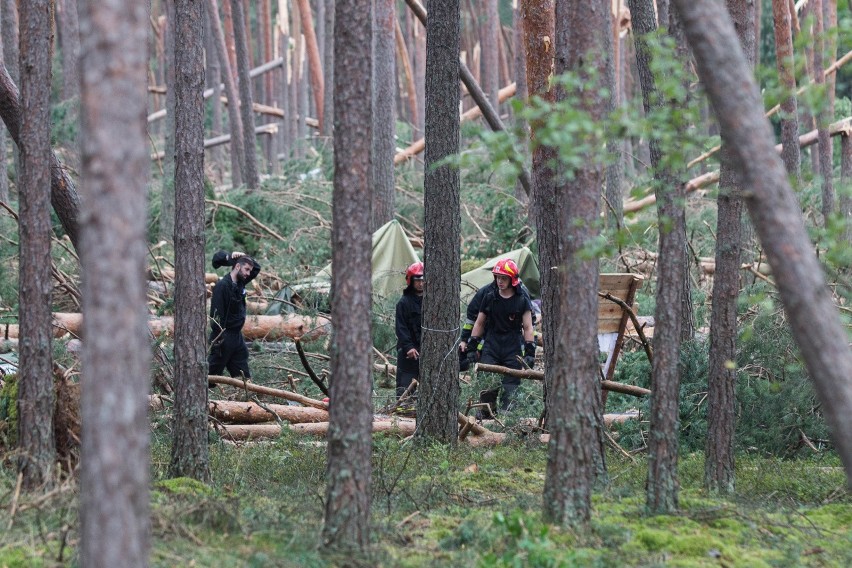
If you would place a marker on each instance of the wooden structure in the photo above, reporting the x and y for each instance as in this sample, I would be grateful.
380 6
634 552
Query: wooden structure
613 317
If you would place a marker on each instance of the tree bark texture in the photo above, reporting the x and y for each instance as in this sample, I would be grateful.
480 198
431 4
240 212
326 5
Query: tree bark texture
439 387
114 494
722 372
235 122
845 201
614 205
250 173
63 193
537 17
662 488
167 194
213 80
314 61
823 118
575 418
70 45
35 373
384 115
519 68
489 60
190 455
787 78
776 215
328 67
349 468
4 178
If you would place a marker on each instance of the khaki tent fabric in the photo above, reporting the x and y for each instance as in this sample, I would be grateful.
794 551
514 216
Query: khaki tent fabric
392 254
479 277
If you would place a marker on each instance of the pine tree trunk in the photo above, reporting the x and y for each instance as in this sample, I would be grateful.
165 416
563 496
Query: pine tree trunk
327 126
167 193
786 73
114 480
250 173
439 387
489 62
70 45
826 169
313 58
190 455
213 81
384 118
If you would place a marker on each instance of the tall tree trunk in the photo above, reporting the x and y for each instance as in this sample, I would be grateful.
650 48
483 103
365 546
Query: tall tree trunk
349 469
250 173
826 170
265 23
190 456
521 94
662 487
614 205
384 118
4 178
313 59
114 495
576 452
845 201
214 81
70 45
167 195
420 72
286 69
11 44
775 212
722 372
787 77
537 17
297 126
235 123
439 388
328 66
35 373
489 60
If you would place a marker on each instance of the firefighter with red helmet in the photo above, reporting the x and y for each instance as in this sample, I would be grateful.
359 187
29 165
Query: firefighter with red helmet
505 320
408 328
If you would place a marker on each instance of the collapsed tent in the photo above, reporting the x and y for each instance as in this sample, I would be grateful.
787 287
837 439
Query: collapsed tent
392 254
479 277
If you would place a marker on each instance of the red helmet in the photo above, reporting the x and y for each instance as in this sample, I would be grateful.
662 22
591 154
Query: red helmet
507 267
414 272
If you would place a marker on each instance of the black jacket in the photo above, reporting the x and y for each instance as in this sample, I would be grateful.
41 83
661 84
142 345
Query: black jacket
475 305
408 321
228 304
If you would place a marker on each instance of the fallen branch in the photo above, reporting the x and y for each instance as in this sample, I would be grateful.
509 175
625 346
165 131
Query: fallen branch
253 413
636 325
404 426
260 389
246 214
317 381
539 376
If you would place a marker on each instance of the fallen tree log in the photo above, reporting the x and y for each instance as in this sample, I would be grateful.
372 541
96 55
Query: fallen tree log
260 389
405 427
539 376
253 413
267 328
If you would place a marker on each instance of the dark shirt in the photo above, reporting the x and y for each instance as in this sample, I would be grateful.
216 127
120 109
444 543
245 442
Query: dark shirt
408 321
475 305
228 304
505 315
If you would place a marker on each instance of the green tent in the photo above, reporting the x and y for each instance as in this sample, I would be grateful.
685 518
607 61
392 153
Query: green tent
392 254
479 277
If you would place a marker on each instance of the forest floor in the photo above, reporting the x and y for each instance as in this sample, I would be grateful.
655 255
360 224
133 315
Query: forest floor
455 507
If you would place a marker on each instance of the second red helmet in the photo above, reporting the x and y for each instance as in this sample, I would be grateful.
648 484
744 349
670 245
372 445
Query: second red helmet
414 272
507 267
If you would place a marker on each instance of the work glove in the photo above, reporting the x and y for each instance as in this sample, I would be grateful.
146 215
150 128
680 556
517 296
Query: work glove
473 345
464 360
529 354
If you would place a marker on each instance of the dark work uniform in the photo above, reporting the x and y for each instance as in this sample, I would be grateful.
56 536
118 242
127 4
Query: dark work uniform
228 315
408 333
504 339
476 303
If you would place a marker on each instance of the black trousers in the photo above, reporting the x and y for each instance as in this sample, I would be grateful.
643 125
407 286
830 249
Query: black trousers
406 370
229 351
502 349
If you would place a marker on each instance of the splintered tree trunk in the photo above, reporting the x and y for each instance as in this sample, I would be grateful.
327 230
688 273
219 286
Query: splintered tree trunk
437 412
238 152
384 118
722 374
250 173
537 18
349 469
35 373
70 44
114 496
776 215
576 452
190 456
787 77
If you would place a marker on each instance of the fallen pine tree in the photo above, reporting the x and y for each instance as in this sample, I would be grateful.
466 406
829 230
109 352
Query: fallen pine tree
539 376
260 389
254 413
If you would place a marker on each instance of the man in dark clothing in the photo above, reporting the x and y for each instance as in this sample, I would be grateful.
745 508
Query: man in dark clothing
408 328
228 315
467 357
505 322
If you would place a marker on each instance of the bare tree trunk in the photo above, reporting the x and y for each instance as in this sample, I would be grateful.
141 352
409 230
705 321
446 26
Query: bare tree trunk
826 169
776 215
489 62
326 128
35 373
537 17
114 494
214 81
312 51
167 195
349 469
265 24
70 45
420 72
786 75
845 202
410 90
238 152
190 456
4 178
521 93
576 451
439 388
384 117
286 68
9 30
614 203
250 173
297 126
722 376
